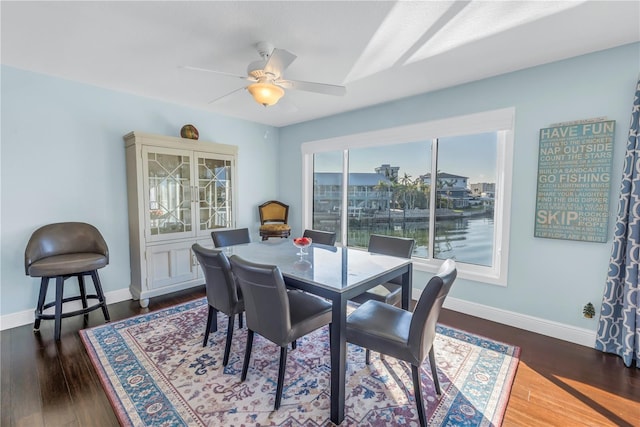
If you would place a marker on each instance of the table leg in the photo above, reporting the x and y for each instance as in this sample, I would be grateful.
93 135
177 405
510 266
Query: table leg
338 358
407 280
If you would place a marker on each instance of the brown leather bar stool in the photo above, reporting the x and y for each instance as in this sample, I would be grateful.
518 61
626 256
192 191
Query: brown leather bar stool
61 251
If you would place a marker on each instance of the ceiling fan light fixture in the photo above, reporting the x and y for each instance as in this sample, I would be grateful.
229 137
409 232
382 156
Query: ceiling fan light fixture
266 94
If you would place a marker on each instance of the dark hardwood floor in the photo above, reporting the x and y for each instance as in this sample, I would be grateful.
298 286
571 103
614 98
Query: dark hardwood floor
45 383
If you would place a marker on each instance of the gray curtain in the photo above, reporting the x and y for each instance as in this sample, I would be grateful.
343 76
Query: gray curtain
619 324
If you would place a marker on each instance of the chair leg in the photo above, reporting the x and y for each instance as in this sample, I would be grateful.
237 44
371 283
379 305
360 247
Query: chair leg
44 284
83 295
227 347
281 370
240 322
214 324
434 371
247 355
367 356
210 319
294 344
417 391
58 311
103 302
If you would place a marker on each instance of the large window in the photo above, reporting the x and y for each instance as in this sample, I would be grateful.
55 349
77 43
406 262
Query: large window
447 184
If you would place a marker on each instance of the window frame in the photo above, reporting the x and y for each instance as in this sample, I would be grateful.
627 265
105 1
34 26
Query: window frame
501 121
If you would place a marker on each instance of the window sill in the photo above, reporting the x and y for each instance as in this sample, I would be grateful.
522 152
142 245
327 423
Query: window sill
470 272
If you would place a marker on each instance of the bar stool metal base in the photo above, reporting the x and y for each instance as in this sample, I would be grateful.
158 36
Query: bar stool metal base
58 315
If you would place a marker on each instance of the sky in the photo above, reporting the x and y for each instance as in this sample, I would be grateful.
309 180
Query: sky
473 156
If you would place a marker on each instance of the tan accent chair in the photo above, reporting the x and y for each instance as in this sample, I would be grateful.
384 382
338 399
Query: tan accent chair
61 251
273 220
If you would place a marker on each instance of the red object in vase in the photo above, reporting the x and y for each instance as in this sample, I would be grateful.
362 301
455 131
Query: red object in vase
304 241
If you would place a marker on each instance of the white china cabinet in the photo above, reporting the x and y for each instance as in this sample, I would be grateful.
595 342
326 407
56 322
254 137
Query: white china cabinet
179 190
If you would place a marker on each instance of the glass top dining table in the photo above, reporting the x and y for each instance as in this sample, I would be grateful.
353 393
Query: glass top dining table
335 273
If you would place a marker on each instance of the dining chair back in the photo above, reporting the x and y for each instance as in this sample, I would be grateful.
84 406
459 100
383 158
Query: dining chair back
236 236
279 315
322 237
407 336
222 292
390 292
422 331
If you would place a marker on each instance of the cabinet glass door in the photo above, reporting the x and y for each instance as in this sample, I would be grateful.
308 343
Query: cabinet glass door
214 192
169 192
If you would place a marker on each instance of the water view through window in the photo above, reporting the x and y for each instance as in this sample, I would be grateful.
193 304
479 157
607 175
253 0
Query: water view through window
401 190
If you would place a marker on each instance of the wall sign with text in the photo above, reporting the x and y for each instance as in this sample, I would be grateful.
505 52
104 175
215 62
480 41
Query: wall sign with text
574 177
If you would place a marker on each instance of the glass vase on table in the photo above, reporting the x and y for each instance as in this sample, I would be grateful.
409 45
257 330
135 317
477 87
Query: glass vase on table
302 243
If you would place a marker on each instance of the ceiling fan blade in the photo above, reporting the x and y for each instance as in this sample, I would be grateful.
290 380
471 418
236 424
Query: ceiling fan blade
279 60
323 88
226 95
286 105
222 73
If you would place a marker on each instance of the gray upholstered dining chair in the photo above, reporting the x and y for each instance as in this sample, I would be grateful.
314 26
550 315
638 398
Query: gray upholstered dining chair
390 292
322 237
61 251
404 335
222 293
236 236
279 315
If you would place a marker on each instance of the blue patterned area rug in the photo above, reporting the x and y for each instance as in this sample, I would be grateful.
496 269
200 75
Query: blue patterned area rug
156 373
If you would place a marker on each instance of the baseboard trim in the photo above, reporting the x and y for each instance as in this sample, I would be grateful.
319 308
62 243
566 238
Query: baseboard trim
26 317
549 328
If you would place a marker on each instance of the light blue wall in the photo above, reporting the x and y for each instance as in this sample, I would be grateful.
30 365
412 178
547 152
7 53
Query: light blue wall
63 159
548 279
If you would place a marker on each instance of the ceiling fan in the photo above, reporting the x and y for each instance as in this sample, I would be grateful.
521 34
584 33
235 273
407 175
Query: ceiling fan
267 84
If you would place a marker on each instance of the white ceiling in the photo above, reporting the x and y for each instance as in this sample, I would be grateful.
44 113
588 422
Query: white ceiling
380 50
